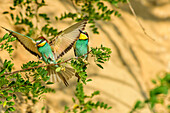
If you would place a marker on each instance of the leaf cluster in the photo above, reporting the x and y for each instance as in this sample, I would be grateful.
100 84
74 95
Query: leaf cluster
29 11
92 10
84 103
157 94
86 9
101 55
5 45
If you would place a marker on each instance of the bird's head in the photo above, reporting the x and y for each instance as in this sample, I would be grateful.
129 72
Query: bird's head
83 35
41 41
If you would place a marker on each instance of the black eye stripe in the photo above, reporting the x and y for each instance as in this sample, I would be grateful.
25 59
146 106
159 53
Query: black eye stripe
41 41
86 34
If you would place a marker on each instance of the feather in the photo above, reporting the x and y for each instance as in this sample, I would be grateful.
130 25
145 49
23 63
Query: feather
26 41
66 39
63 75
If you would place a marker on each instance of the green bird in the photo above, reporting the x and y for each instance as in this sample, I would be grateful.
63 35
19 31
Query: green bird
81 47
49 52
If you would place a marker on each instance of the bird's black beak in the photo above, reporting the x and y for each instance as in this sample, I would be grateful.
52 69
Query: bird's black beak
37 43
80 31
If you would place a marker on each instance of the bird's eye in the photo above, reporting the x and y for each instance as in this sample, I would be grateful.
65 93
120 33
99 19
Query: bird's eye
41 43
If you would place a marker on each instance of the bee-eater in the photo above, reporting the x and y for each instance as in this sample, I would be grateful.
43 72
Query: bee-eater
81 47
51 51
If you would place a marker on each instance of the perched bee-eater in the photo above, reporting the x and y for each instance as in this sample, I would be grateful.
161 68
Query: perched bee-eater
81 47
51 51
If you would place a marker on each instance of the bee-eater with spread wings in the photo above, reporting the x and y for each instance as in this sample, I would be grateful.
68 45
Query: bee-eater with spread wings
51 51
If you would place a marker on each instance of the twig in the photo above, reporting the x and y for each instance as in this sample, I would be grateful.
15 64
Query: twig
21 70
74 5
133 12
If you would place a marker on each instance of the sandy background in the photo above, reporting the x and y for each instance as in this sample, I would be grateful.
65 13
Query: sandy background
134 62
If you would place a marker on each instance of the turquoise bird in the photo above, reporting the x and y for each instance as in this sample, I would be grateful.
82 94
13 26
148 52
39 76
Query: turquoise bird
49 52
81 47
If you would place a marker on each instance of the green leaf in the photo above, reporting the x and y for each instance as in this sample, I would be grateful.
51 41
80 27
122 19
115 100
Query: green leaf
159 90
153 100
43 108
10 103
5 12
10 91
56 18
1 102
73 100
138 105
14 96
89 80
101 104
105 106
109 108
5 93
4 103
154 81
58 69
95 93
100 66
2 72
168 106
7 111
11 8
9 98
49 83
12 16
66 108
11 109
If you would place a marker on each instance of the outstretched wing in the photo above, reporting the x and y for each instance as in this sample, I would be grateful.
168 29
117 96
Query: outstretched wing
66 39
74 47
26 41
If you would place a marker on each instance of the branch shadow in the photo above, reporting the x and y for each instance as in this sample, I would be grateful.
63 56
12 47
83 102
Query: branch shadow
138 6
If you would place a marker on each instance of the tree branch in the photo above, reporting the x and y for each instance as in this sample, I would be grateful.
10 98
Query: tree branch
15 86
133 12
21 70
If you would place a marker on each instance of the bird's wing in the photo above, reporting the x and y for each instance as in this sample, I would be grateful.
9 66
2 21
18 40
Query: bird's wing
26 41
74 47
66 39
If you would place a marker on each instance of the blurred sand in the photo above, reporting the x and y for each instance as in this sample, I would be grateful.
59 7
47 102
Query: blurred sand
135 58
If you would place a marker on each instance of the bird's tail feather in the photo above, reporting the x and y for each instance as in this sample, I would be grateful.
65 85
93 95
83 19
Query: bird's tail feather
62 75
